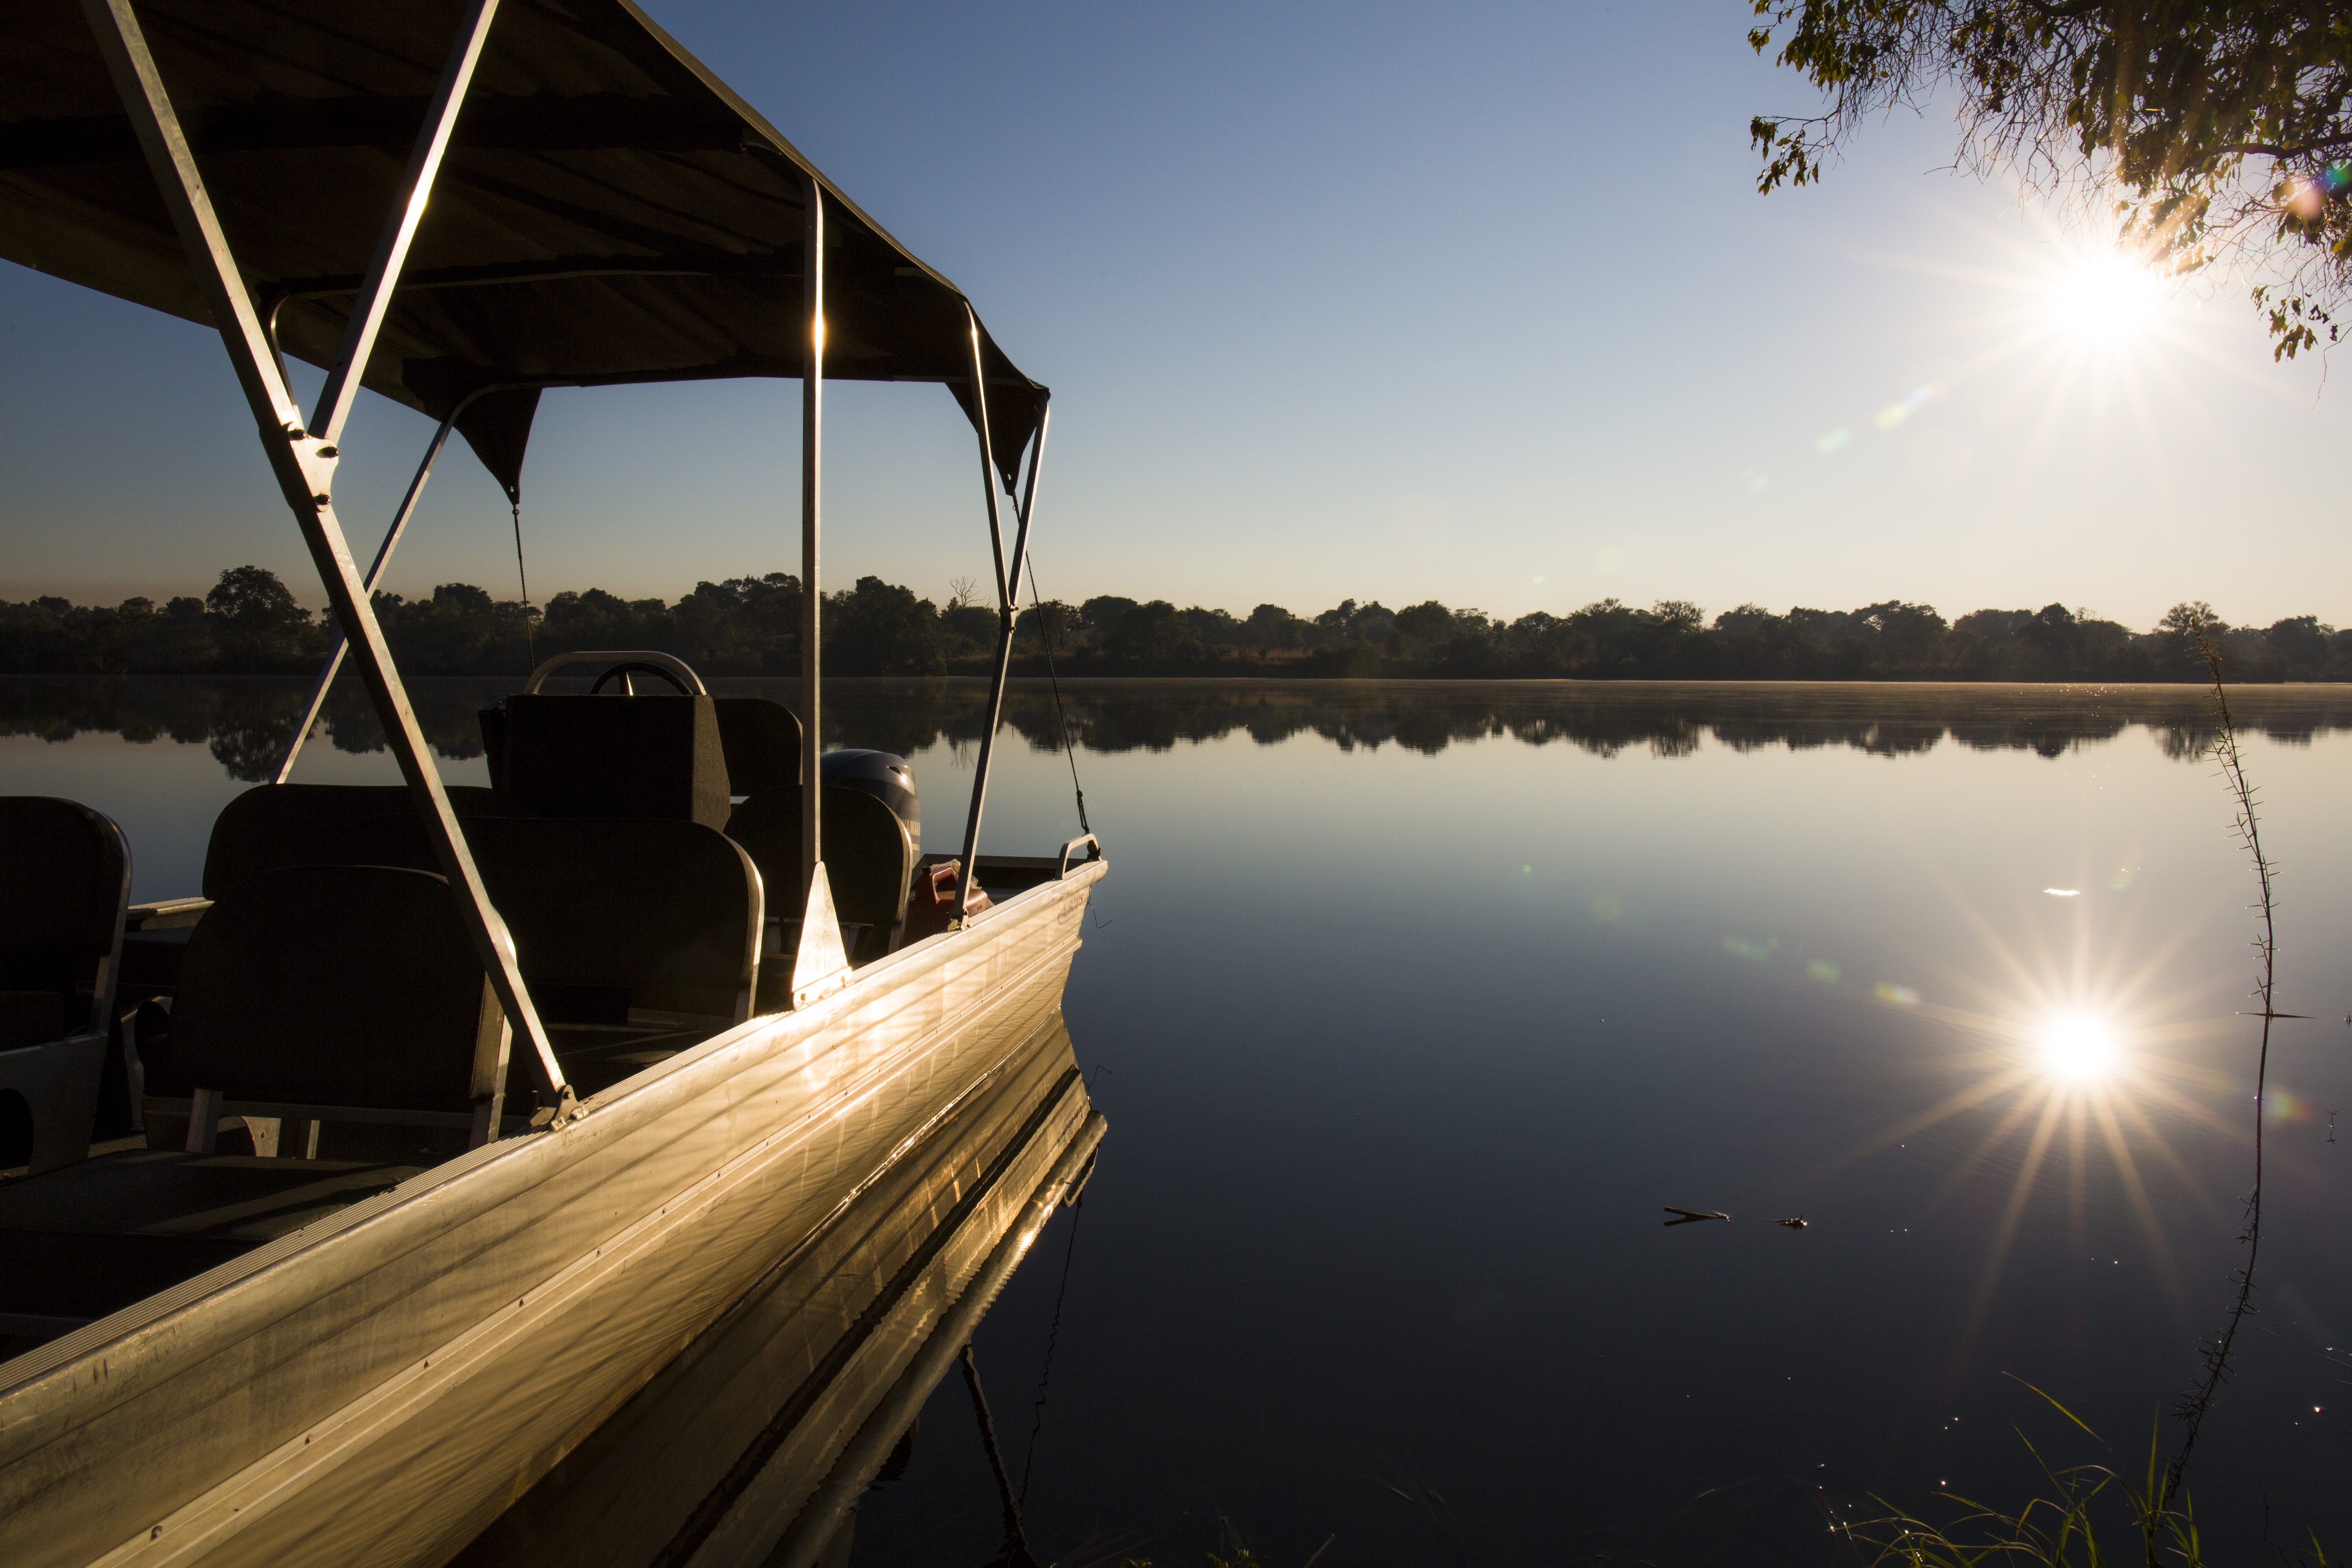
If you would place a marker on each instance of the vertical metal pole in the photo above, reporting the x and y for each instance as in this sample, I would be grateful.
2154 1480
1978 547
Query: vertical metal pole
375 574
305 465
811 587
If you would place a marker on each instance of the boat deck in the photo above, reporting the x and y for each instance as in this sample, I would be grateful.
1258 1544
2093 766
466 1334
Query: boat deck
79 1243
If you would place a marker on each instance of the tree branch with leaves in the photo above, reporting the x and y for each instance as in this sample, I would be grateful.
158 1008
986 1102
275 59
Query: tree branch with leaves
2219 134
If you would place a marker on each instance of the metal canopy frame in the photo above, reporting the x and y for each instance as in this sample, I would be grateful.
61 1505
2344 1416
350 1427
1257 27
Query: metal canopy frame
1008 609
303 454
391 536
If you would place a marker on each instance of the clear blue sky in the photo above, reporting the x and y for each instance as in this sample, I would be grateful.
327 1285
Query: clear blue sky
1370 300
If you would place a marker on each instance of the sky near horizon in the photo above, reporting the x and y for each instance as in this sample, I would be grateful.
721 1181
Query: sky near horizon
1376 301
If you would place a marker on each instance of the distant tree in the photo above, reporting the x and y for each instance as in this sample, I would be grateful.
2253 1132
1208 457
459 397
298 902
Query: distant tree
1349 622
2187 617
1048 627
2304 645
2055 640
1425 628
1102 614
174 638
596 618
1338 623
2220 129
460 630
256 623
876 629
1152 634
1909 636
1995 628
1272 629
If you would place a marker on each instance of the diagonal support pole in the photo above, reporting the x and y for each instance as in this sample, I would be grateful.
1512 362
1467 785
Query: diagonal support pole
1007 611
304 465
334 664
343 377
391 535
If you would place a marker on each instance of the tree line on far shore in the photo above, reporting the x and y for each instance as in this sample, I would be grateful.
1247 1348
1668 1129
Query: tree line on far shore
250 623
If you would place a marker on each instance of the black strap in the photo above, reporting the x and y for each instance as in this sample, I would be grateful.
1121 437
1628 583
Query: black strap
523 583
1061 721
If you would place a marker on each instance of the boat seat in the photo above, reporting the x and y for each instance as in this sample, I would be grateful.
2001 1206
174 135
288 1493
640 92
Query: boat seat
567 756
869 858
272 827
266 829
762 738
65 884
637 937
335 993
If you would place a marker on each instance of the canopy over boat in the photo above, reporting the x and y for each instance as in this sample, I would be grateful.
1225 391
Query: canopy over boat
608 210
568 198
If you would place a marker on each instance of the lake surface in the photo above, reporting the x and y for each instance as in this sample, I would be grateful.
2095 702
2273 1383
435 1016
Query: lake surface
1412 1005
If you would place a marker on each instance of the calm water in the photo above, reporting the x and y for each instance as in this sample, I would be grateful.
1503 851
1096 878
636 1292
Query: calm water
1410 1007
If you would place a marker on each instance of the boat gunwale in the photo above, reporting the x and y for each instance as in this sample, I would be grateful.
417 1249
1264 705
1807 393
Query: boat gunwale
55 1393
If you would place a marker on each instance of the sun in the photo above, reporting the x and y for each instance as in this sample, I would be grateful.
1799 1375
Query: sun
2104 299
2077 1045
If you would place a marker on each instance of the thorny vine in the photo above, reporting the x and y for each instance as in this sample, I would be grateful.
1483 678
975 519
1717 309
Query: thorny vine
2195 1405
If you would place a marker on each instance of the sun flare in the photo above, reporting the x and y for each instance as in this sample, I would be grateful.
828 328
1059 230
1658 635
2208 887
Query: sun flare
2077 1045
2104 299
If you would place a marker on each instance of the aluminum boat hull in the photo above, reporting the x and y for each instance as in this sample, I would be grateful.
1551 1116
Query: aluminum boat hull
768 1227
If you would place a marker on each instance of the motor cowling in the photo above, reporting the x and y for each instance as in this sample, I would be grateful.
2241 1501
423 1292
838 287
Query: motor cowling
886 776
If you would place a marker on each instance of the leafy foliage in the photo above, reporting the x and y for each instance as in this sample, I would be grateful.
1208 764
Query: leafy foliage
2221 131
751 626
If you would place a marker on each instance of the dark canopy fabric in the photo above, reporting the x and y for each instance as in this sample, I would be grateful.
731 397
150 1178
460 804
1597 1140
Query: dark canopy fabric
609 210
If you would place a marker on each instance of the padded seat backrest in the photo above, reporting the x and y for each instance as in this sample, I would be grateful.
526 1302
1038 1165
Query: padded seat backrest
868 856
331 986
763 740
650 757
626 902
64 880
272 827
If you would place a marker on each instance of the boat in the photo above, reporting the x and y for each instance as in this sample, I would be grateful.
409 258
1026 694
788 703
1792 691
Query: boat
655 1123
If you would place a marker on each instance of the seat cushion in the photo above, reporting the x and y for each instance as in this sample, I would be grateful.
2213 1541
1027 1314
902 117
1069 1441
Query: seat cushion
64 878
654 757
761 739
30 1017
272 827
330 985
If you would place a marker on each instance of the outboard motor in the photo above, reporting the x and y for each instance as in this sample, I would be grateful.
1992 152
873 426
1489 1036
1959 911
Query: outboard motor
886 776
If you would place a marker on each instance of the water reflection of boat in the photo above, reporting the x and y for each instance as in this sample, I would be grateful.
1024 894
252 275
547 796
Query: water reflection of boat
740 1109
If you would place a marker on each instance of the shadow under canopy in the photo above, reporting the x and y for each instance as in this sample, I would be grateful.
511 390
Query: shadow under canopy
608 211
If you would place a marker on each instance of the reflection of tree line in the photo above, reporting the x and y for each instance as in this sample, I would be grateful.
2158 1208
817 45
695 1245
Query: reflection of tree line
246 723
1670 719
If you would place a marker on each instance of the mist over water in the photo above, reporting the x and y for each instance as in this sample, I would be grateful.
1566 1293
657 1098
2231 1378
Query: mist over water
1412 1005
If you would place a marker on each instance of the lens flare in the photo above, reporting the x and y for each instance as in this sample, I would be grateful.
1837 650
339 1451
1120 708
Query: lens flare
2104 299
2077 1045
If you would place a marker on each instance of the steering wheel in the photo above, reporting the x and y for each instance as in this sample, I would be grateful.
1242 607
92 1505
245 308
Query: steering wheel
630 668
